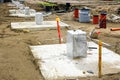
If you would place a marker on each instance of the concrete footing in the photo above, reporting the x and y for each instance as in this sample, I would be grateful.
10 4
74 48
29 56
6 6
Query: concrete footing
34 26
21 13
56 65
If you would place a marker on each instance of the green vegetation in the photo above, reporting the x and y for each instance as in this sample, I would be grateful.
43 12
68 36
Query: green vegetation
118 0
46 4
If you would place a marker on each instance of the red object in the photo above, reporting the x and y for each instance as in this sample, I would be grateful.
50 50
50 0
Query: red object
76 13
115 29
59 32
102 23
98 33
95 19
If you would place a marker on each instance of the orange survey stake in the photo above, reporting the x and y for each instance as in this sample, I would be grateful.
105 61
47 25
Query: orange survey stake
100 59
58 28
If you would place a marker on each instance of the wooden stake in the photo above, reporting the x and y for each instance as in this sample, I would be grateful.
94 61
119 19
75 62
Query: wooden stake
58 28
100 59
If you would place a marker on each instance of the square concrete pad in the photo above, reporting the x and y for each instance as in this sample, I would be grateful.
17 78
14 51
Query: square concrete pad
55 65
34 26
21 13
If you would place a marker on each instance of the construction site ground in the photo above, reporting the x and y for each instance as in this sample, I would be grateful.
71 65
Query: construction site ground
16 60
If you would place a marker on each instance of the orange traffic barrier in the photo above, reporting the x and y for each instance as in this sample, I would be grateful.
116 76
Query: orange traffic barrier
115 29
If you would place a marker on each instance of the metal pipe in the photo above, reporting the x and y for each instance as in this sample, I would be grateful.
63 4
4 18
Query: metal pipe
115 29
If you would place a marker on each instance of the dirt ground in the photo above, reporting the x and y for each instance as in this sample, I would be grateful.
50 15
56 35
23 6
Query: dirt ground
16 60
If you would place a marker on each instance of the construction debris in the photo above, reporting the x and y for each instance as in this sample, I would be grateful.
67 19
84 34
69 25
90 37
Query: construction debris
113 18
107 8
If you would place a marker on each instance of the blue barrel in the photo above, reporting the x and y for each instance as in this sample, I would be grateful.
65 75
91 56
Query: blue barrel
1 1
84 15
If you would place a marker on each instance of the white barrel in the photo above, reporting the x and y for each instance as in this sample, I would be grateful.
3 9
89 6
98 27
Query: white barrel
17 4
21 6
27 11
39 18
